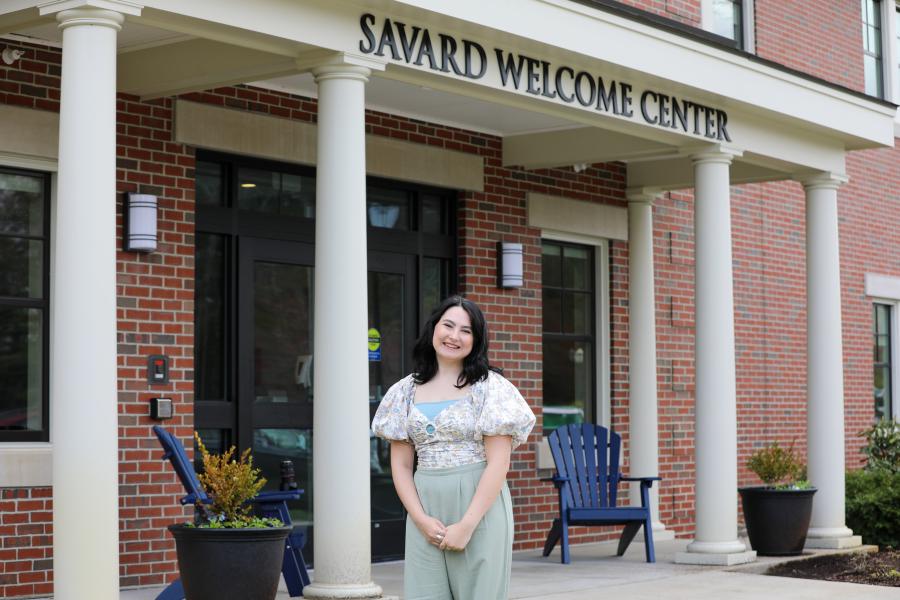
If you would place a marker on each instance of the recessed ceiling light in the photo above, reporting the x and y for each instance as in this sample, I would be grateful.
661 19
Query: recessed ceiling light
248 185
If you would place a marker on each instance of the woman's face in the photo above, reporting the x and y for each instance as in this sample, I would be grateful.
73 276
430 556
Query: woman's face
453 338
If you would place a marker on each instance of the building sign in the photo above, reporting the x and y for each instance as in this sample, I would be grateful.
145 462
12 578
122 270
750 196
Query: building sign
414 45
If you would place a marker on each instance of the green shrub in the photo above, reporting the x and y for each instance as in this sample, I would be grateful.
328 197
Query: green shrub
882 447
230 482
775 465
873 506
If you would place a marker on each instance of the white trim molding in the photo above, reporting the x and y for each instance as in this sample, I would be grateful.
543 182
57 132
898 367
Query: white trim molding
26 464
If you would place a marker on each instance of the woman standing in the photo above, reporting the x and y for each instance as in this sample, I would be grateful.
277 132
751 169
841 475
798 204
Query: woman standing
462 419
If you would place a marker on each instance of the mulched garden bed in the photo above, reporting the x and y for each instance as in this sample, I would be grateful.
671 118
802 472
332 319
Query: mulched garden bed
874 568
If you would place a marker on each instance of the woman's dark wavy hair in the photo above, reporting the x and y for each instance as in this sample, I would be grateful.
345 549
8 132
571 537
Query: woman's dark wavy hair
475 365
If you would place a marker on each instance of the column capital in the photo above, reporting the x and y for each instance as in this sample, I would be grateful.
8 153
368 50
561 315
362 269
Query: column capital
828 180
715 153
326 64
642 195
90 12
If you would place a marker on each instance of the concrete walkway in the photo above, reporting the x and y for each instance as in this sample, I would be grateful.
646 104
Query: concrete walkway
596 573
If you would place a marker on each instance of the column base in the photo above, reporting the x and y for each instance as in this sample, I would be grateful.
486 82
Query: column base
833 543
832 538
718 559
324 591
730 553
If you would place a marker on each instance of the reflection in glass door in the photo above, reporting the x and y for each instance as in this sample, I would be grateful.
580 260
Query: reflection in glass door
391 335
275 340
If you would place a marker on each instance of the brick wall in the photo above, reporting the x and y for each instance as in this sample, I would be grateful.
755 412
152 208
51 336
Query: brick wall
26 553
819 37
26 547
155 299
683 11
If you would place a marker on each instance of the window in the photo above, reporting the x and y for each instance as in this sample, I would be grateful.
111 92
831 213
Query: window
896 44
727 20
24 283
872 47
883 380
731 19
569 348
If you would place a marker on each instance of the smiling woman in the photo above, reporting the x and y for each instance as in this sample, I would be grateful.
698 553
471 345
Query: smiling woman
462 419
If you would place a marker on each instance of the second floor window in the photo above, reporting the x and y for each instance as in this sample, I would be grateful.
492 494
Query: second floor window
728 21
872 47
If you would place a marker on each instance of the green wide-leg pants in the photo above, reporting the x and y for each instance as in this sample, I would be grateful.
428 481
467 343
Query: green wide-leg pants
481 571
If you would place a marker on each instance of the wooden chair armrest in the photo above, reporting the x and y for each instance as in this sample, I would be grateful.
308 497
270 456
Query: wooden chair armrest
623 478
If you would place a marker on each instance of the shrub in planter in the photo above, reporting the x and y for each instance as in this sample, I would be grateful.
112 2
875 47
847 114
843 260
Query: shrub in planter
777 514
226 552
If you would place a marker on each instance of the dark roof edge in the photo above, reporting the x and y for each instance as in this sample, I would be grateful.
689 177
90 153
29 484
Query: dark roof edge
722 43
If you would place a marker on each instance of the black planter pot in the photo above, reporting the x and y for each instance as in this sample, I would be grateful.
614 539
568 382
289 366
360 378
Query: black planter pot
777 520
216 564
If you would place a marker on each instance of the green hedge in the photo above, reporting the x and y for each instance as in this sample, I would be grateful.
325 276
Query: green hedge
873 506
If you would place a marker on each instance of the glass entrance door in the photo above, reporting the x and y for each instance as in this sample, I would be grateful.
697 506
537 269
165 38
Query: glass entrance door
274 358
392 324
273 414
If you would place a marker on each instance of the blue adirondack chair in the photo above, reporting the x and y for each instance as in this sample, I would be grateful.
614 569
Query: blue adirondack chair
266 504
587 478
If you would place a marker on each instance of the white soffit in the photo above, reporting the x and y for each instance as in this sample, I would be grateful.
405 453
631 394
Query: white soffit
561 32
433 105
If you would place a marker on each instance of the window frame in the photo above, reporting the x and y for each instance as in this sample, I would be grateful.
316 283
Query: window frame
885 289
602 411
747 43
886 57
42 303
893 330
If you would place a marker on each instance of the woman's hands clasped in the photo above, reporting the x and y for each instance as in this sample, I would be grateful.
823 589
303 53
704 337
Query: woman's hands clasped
453 538
457 537
432 529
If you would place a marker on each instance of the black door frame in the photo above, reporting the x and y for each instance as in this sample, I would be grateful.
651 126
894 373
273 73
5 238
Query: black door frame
247 233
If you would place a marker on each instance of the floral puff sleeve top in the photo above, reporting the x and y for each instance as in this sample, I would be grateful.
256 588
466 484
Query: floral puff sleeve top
454 437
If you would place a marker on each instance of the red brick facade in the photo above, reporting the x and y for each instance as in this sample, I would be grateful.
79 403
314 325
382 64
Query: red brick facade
156 306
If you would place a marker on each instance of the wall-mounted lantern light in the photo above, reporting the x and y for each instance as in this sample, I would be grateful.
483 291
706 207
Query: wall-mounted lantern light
510 273
140 223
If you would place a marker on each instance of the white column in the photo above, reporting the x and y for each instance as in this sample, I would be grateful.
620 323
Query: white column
83 377
715 436
825 373
341 509
643 450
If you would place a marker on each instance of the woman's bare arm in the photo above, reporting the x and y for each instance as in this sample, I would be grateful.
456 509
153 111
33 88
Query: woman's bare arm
402 457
